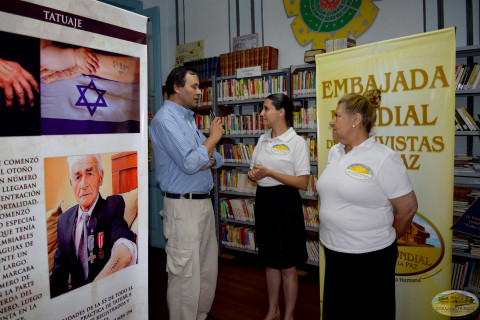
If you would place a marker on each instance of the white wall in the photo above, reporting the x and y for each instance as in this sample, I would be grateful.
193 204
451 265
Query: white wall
210 20
207 20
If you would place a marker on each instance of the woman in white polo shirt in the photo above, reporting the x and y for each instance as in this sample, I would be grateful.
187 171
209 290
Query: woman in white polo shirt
280 166
360 187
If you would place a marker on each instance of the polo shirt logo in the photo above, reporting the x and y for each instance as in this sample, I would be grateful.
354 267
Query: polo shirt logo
280 149
359 171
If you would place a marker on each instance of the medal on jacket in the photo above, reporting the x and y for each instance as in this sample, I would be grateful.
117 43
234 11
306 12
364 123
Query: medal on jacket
91 244
100 253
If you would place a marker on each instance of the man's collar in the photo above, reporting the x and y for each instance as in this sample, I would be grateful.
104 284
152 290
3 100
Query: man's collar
178 109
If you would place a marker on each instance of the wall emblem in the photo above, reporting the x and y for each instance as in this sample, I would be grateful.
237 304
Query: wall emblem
322 20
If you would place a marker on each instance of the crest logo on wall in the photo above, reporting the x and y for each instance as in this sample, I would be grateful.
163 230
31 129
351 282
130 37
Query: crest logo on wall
320 20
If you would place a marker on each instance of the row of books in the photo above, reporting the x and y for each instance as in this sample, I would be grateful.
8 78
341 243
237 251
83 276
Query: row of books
312 144
246 89
238 209
237 181
243 210
236 236
460 206
464 163
305 118
340 43
465 244
203 122
303 82
466 276
467 76
243 153
236 153
312 250
243 124
310 215
464 121
206 98
311 188
206 68
243 237
265 57
460 244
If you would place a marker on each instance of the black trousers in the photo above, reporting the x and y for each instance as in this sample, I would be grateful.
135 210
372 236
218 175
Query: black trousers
360 285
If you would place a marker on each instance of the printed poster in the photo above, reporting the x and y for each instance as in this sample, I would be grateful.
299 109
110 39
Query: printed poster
73 166
416 119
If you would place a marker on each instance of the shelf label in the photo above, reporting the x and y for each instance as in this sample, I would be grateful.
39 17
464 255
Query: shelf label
249 72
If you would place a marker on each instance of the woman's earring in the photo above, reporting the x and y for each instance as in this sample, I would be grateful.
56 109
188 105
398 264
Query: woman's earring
354 126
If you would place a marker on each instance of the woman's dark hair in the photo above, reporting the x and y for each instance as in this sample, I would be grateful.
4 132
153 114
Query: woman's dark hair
177 77
356 103
280 100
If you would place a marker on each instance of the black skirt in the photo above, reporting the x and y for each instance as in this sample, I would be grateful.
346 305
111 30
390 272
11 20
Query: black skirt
280 227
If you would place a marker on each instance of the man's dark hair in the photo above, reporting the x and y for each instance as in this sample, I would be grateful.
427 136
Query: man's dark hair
177 77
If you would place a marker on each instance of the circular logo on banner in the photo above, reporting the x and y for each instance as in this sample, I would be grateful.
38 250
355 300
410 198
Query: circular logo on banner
455 303
321 20
420 249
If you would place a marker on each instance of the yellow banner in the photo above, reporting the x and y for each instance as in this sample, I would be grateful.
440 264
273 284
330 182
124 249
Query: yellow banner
416 119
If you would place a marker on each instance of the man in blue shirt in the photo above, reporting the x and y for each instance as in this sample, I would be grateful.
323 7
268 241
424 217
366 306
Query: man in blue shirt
183 158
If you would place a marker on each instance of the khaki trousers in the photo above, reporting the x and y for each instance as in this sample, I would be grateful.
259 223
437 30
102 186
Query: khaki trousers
192 257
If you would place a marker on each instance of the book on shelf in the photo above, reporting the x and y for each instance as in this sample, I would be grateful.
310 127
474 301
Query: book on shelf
238 237
459 119
309 55
470 119
305 118
467 76
460 206
472 77
312 250
243 124
311 189
203 122
266 57
303 82
238 209
340 43
458 74
236 153
310 216
237 181
465 120
312 144
206 97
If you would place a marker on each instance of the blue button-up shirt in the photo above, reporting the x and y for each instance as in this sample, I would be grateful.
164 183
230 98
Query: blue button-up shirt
179 151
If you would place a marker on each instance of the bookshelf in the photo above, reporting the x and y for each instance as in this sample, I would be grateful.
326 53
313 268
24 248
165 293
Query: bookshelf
465 254
239 101
305 124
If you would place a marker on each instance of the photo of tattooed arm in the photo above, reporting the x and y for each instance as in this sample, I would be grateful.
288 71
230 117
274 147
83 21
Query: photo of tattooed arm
113 67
